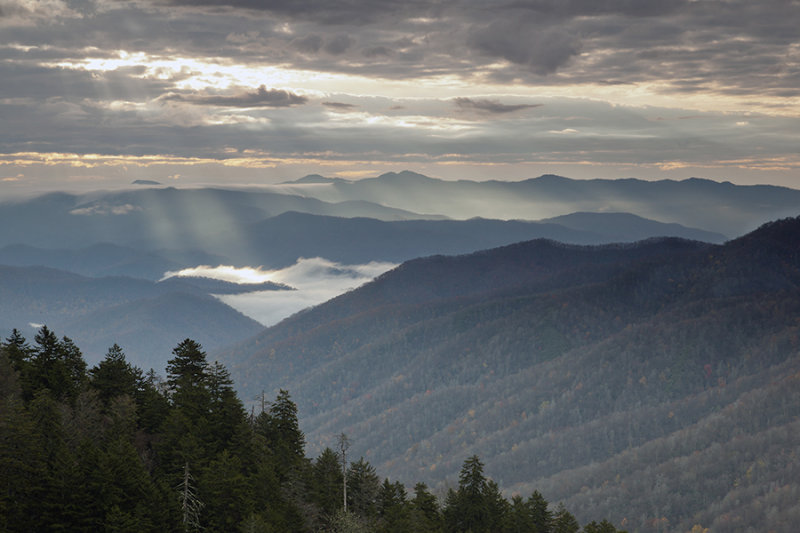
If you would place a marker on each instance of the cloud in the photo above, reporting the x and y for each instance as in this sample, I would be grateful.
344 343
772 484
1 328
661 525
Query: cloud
105 209
339 106
262 97
539 49
225 273
491 106
75 80
315 281
339 44
333 12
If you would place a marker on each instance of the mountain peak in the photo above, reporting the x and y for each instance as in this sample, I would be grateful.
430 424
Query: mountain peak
314 178
405 175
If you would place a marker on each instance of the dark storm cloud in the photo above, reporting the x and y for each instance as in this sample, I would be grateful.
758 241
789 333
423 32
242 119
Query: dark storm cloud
542 50
333 12
310 43
527 41
262 97
338 44
490 106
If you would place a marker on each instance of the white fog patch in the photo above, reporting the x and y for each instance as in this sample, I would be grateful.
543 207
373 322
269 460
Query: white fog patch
225 273
314 280
103 209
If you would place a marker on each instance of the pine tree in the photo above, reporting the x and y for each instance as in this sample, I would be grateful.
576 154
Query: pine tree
392 507
564 521
114 376
227 421
327 482
466 509
226 493
187 380
519 516
17 349
281 429
363 486
542 517
425 514
56 365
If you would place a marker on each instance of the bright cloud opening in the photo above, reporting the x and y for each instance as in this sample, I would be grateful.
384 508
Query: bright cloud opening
315 281
228 273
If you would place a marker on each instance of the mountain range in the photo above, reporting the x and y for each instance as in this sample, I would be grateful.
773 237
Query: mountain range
721 207
655 383
117 239
628 347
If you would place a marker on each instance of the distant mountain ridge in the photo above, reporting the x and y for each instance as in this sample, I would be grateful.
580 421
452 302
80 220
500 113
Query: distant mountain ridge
640 382
146 232
719 207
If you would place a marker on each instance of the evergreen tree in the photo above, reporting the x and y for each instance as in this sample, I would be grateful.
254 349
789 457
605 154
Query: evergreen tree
564 521
541 516
363 486
17 349
227 421
22 465
55 489
603 527
327 482
392 507
283 432
425 513
114 376
497 506
519 517
467 508
56 365
187 380
226 493
152 407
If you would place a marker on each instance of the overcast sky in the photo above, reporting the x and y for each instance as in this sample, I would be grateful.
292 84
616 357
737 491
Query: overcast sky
97 93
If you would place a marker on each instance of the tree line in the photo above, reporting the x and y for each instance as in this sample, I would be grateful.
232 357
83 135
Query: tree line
114 448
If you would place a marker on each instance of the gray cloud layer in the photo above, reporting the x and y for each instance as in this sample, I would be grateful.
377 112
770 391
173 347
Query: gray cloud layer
58 95
261 97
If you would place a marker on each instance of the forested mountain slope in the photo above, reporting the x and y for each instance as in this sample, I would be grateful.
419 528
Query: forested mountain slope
654 383
144 316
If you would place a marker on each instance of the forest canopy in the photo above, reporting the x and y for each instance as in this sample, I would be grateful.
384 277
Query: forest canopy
114 448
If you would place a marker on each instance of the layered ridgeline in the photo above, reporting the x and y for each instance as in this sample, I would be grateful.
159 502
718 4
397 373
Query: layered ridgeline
721 207
654 383
145 233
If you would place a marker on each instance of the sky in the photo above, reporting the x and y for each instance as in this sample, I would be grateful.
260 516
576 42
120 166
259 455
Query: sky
97 93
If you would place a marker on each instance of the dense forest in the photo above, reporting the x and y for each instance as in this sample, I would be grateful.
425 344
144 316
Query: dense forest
654 384
112 448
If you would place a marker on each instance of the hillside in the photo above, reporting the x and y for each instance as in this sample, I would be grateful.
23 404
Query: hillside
654 383
148 318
